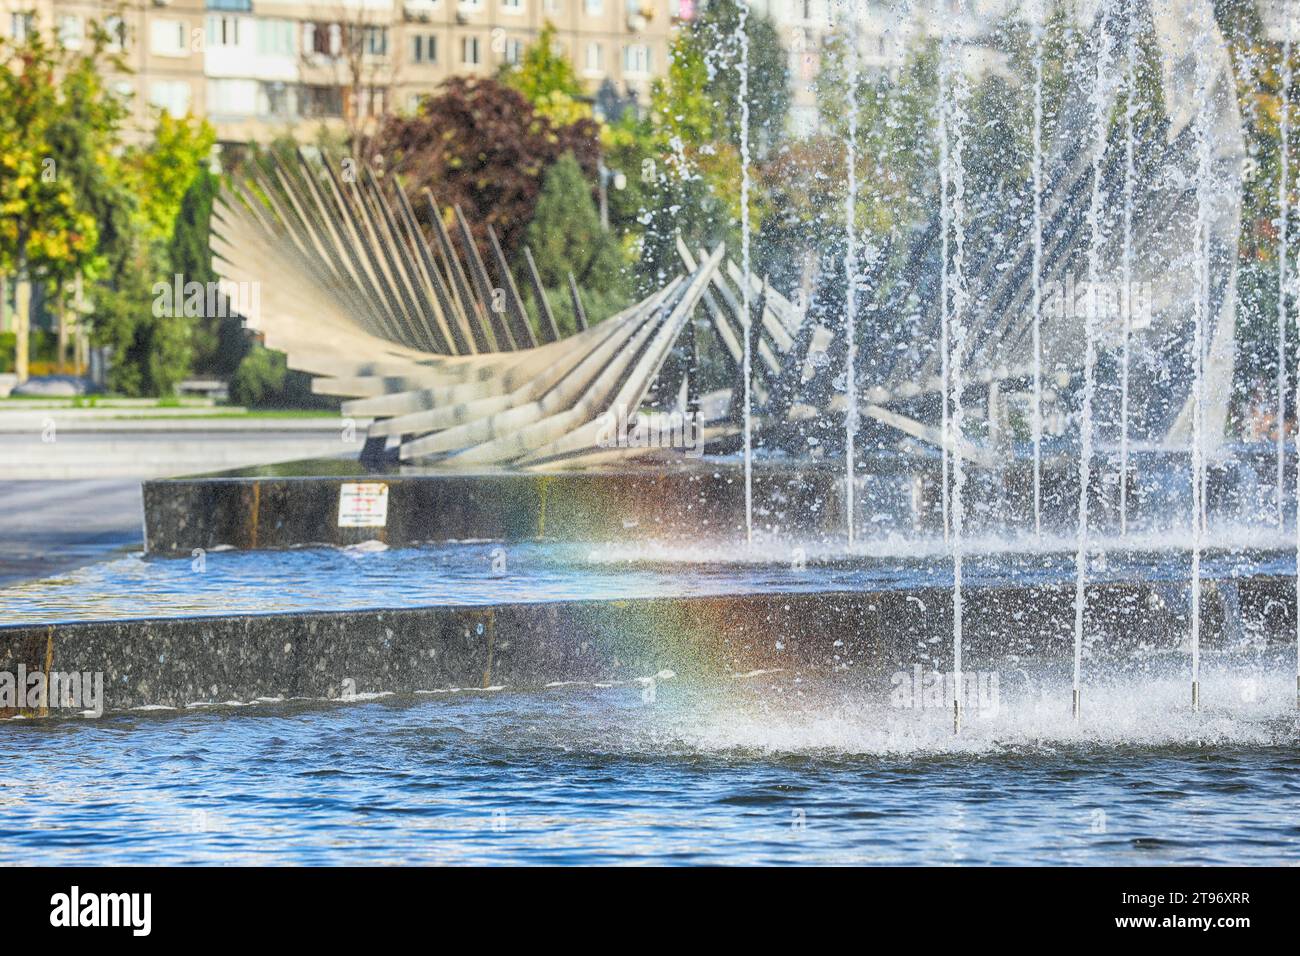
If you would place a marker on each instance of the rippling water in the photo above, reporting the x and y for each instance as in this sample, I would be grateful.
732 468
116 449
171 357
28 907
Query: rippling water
765 769
478 573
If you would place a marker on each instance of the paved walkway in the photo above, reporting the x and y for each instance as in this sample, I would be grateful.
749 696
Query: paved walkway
51 526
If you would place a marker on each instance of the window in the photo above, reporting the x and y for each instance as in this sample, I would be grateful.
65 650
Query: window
512 6
513 52
170 95
424 48
552 6
223 31
469 51
369 101
595 58
593 8
232 97
115 27
276 100
72 32
22 25
168 38
636 59
320 101
323 39
375 40
471 5
275 37
233 6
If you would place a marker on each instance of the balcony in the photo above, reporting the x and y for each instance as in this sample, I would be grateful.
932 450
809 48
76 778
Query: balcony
231 6
419 10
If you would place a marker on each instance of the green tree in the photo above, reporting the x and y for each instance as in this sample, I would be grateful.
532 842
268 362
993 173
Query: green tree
163 172
45 234
546 79
714 35
219 341
565 235
690 171
152 346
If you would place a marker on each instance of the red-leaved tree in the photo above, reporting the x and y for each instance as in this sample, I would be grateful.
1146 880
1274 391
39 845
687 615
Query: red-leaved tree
479 144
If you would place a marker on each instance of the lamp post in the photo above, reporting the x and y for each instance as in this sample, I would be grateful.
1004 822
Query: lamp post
605 176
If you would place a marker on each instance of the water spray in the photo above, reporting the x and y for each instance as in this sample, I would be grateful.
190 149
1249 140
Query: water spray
1037 280
742 39
956 340
1100 116
851 270
1204 162
945 225
1127 266
1283 215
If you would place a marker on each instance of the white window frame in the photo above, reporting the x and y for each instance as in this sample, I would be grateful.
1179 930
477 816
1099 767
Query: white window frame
598 69
422 45
468 42
171 86
216 34
275 36
115 27
68 39
640 68
159 30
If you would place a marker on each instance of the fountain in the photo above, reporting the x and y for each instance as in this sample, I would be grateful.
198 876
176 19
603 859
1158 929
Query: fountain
617 480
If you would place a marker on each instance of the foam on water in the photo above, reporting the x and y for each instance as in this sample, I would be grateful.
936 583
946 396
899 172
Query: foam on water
1242 708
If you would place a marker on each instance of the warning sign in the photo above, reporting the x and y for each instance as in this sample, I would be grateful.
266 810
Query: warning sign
363 505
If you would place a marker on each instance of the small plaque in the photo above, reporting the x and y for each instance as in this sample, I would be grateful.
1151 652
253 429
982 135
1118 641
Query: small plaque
363 505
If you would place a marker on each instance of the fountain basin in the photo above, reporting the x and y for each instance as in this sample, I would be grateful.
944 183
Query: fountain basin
856 618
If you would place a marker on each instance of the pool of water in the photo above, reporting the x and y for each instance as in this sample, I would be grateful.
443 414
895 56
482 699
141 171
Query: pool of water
764 769
480 573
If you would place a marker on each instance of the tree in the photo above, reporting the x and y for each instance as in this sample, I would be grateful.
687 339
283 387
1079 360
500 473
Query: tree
690 176
151 347
714 35
565 237
546 79
55 137
163 172
219 341
481 145
44 233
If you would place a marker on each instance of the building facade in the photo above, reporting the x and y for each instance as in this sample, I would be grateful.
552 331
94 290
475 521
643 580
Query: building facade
158 43
257 69
288 66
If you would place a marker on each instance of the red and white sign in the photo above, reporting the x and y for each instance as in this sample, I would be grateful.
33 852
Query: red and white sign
363 504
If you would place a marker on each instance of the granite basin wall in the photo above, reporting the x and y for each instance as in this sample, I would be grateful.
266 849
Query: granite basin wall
187 661
248 513
701 501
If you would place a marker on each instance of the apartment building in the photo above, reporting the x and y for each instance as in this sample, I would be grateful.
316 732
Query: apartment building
159 43
623 41
277 66
885 30
260 68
